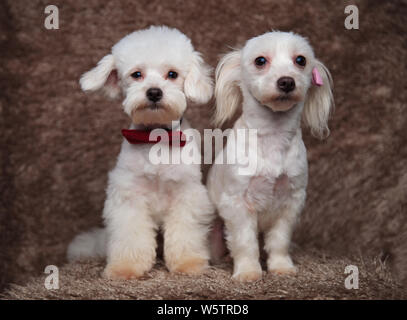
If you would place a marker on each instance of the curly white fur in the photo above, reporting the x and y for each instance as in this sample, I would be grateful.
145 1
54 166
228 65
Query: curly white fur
143 197
270 200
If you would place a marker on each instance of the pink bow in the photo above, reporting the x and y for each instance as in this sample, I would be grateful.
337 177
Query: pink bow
316 77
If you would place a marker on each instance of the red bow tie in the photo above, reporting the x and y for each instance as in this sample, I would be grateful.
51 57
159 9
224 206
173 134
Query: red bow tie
143 136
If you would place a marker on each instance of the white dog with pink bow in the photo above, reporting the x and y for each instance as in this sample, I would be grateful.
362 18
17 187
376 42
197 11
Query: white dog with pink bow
278 81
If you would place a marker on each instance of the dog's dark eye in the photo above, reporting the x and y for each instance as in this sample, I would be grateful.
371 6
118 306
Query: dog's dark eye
172 75
136 74
301 61
260 61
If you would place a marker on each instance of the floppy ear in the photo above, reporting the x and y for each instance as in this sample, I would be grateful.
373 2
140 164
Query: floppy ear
104 76
319 102
227 92
198 84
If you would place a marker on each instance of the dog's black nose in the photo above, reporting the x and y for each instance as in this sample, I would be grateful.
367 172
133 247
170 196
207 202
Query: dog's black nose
286 84
154 94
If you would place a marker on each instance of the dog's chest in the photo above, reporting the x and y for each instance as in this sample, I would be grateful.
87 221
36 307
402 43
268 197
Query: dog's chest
272 158
161 195
266 193
158 185
273 184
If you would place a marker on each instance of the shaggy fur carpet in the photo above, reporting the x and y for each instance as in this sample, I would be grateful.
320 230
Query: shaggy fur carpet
320 276
57 144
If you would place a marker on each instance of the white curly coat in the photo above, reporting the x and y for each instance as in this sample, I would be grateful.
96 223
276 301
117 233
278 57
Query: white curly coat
143 197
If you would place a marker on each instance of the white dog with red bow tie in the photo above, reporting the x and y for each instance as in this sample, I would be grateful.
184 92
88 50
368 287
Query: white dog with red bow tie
157 70
277 80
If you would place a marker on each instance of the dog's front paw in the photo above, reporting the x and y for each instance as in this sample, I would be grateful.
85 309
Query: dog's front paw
124 270
247 271
248 276
191 266
281 265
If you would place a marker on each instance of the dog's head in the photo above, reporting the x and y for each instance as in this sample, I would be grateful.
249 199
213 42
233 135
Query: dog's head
156 70
276 69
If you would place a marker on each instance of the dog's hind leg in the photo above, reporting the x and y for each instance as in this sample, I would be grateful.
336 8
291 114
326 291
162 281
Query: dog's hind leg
217 241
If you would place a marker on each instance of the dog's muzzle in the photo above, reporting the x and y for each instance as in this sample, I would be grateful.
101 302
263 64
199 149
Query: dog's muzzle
154 94
286 84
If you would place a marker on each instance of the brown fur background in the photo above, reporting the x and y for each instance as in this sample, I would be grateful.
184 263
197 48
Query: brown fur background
57 144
